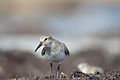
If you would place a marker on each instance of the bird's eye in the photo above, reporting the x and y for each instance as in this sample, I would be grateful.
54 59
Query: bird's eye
45 39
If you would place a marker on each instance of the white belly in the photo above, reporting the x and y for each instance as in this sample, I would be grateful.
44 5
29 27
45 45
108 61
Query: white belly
55 57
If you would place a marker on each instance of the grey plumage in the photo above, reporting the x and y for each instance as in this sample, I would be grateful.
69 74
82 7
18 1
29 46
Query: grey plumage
56 47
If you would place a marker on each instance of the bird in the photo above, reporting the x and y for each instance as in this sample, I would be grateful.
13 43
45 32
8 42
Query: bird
54 51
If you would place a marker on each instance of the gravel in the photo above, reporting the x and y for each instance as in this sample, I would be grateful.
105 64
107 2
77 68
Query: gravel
109 75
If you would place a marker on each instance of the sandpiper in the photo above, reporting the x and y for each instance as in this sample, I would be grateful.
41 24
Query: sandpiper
54 50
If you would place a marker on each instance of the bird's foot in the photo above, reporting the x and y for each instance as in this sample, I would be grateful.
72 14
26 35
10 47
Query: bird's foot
52 76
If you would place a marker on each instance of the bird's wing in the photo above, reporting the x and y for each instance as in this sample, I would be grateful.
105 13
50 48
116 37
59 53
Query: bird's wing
43 51
66 51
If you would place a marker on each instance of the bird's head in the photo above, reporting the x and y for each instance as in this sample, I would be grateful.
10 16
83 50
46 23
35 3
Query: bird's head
45 40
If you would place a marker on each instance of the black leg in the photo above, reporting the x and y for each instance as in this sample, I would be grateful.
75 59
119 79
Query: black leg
51 67
58 70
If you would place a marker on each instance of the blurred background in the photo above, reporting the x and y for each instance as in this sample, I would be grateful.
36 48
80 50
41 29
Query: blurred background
89 28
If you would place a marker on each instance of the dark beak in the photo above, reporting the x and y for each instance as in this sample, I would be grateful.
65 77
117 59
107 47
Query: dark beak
38 46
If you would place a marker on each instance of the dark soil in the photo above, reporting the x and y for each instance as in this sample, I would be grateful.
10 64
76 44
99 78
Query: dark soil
110 75
21 65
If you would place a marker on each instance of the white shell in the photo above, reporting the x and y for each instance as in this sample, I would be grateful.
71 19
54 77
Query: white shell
85 68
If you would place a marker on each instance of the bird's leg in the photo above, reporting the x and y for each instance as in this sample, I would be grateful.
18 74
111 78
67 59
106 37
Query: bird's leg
58 70
51 69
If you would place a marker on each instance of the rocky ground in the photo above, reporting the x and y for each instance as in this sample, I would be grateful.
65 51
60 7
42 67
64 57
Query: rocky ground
21 65
110 75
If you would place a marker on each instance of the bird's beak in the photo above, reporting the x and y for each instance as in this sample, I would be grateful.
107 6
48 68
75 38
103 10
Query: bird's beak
38 46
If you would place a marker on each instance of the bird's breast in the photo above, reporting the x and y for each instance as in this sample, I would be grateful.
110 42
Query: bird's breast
55 56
